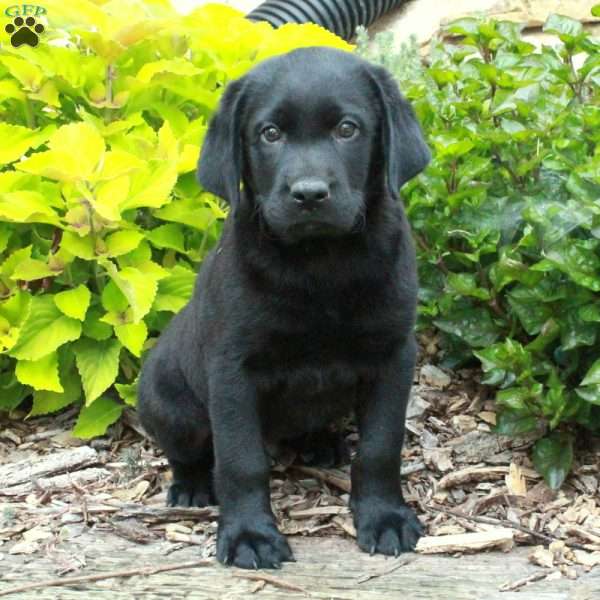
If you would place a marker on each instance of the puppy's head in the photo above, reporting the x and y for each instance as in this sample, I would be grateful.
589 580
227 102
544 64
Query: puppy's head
308 134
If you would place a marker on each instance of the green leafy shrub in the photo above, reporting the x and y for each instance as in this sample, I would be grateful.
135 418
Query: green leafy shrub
101 219
102 222
507 219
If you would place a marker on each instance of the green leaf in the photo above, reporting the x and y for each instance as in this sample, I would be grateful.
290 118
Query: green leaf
96 418
98 365
49 402
74 303
167 236
75 151
27 207
596 10
113 299
465 284
44 330
122 242
152 186
510 422
465 26
592 377
514 398
590 393
31 269
93 327
507 270
18 256
41 374
528 309
175 290
132 336
590 313
188 212
579 261
16 308
110 197
138 287
473 325
553 458
128 392
12 392
564 26
177 66
21 140
28 75
82 247
449 147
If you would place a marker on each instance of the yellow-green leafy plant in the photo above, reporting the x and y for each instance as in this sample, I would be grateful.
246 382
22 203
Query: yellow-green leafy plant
101 220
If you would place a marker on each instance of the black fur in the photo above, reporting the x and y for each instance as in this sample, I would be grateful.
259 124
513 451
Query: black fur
305 311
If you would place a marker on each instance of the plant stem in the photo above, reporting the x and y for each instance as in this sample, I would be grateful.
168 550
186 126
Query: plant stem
110 77
29 116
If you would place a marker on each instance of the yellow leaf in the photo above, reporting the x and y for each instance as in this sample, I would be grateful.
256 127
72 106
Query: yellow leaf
10 89
188 158
110 195
152 186
31 269
59 166
74 302
21 140
75 151
177 66
41 374
47 94
26 207
118 162
28 75
81 141
167 143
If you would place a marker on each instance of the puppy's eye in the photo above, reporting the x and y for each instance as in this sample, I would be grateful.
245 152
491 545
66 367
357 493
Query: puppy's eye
346 130
271 134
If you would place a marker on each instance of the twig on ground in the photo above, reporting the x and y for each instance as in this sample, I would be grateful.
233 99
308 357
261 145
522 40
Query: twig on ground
108 575
515 585
399 563
275 581
343 483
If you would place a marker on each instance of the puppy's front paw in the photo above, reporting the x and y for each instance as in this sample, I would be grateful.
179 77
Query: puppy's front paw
253 543
386 529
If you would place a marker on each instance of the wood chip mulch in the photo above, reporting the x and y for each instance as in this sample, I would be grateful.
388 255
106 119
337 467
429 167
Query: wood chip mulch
473 490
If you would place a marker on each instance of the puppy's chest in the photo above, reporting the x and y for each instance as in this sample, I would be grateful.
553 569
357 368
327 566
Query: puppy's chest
325 346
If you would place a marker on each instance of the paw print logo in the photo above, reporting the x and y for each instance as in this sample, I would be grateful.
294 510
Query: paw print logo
24 31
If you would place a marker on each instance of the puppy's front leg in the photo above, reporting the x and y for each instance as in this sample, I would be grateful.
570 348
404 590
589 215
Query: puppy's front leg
247 536
384 523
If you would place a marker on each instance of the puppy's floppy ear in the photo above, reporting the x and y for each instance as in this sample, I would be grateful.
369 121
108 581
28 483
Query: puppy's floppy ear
220 162
405 151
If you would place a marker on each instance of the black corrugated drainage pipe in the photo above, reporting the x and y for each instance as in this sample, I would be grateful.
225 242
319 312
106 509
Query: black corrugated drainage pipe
342 17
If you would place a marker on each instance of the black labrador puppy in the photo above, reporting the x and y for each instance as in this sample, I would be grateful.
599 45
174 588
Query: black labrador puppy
304 312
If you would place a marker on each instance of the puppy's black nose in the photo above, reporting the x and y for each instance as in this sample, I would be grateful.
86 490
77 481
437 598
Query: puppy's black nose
309 193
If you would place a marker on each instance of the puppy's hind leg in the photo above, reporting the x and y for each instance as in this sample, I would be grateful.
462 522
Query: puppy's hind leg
192 481
179 424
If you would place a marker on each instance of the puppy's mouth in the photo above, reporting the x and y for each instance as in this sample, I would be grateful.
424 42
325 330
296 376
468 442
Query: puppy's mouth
311 229
314 229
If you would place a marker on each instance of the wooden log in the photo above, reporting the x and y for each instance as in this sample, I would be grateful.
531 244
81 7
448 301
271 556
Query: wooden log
27 470
57 482
500 537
